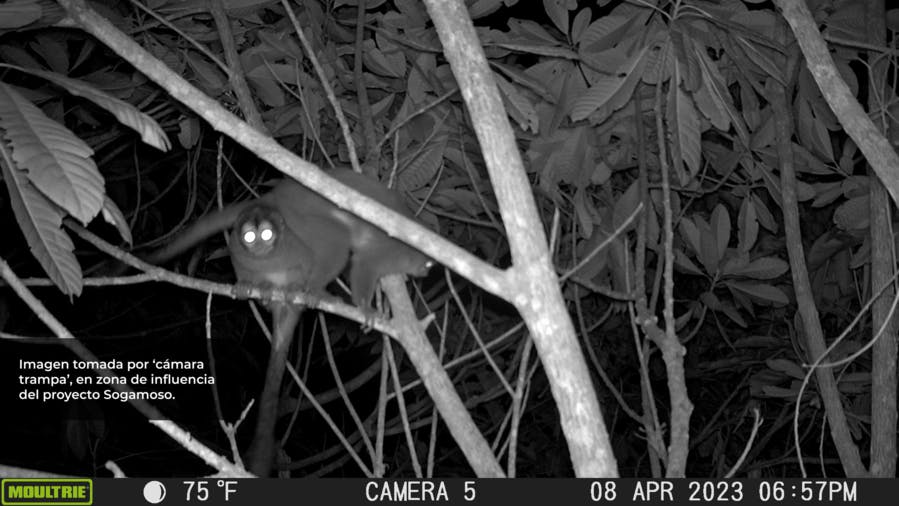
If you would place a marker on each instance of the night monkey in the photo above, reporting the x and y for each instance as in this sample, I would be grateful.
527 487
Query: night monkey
292 238
326 230
265 251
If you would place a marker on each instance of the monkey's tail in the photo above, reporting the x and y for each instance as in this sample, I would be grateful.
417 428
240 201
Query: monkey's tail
199 230
261 454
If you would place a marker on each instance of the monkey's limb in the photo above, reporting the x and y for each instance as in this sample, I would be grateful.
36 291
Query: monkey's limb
199 230
262 449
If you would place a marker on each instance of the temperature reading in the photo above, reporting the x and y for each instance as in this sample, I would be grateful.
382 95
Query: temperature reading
197 491
229 487
200 490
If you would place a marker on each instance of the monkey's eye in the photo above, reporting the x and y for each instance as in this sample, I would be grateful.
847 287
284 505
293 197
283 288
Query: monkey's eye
249 236
266 234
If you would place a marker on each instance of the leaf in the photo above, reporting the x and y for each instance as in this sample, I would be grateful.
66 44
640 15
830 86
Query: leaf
747 225
708 246
563 156
682 261
56 162
584 210
849 152
715 304
625 205
17 55
527 37
719 94
711 300
557 11
826 246
751 110
763 268
732 313
113 215
722 159
808 163
734 261
420 170
580 24
854 214
780 392
812 131
267 83
893 20
772 182
681 321
856 186
606 61
787 367
762 292
477 9
760 59
40 220
244 5
188 131
18 13
847 20
721 228
766 219
276 44
518 105
711 107
52 49
804 191
150 131
381 106
524 79
689 76
682 116
389 65
654 72
612 28
607 88
826 193
757 341
690 232
458 200
209 77
525 29
600 258
608 31
541 50
742 300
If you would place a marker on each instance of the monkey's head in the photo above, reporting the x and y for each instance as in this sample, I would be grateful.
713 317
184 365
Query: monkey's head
258 230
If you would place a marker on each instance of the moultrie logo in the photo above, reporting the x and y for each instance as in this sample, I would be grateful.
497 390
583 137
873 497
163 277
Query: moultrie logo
69 491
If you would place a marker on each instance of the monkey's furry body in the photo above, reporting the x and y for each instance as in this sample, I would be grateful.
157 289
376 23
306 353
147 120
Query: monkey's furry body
292 238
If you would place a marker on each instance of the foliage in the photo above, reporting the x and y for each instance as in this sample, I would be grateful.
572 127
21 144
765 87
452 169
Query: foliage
571 77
